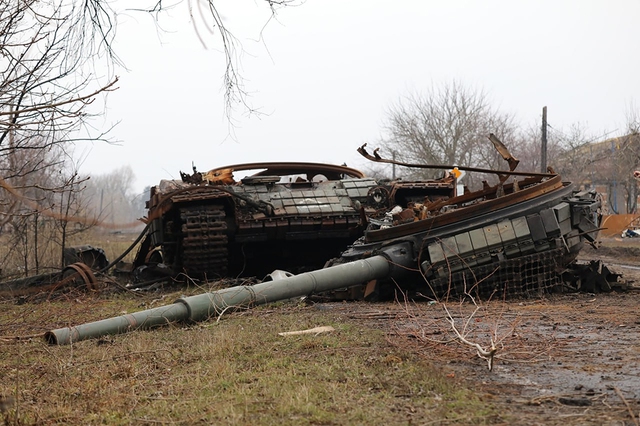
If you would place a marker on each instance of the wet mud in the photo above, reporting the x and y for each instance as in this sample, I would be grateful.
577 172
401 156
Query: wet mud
562 359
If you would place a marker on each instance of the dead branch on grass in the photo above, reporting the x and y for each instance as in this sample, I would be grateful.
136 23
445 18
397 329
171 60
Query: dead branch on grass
315 331
483 353
17 339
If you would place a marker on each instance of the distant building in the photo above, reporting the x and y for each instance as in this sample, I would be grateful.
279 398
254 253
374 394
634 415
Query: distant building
608 168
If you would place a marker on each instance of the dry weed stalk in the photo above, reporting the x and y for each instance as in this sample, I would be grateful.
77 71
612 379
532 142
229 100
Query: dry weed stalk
483 353
466 326
626 403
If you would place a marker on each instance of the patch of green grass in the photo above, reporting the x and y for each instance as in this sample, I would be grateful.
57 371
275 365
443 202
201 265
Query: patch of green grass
235 371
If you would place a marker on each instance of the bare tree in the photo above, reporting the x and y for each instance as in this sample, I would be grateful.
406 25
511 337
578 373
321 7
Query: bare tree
579 157
632 115
601 162
25 198
446 125
208 23
43 94
47 49
527 144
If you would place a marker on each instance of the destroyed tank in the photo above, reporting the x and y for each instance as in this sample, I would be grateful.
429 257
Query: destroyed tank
290 216
519 237
513 241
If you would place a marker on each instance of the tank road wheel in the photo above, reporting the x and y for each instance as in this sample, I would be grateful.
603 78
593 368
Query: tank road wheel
204 244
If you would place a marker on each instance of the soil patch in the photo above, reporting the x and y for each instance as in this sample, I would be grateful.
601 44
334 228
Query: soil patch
565 359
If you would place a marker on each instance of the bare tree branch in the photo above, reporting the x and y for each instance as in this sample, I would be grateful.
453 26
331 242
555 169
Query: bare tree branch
446 125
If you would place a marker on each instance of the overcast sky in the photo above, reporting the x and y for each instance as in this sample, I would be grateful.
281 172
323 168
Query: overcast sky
324 73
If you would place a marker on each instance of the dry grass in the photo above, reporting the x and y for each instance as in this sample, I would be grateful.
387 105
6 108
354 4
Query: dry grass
12 255
235 371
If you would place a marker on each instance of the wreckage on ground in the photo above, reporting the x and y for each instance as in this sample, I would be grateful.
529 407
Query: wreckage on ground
79 265
517 237
283 216
524 230
512 238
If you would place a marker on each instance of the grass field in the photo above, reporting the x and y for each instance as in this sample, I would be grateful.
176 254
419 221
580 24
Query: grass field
234 371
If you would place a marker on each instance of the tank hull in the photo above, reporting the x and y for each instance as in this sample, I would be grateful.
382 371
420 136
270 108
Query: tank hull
210 226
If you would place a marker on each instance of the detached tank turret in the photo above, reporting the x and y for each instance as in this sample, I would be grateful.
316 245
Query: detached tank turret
291 216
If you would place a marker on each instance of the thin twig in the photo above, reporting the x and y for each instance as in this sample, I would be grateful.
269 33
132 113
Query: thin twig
482 353
631 413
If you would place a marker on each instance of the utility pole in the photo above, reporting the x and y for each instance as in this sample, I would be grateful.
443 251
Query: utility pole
543 149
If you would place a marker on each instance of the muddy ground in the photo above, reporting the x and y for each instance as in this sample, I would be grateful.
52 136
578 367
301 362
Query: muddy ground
562 359
571 359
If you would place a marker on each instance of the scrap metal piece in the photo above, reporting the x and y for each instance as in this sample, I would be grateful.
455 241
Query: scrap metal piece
502 149
503 174
592 277
94 257
77 274
80 264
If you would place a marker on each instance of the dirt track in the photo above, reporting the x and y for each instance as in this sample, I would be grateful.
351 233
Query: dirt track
570 359
581 360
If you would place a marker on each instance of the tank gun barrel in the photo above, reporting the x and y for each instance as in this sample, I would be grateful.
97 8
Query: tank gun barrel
201 307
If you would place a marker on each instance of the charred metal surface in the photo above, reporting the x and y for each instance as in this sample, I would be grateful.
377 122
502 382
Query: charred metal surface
499 240
292 216
519 248
375 157
94 257
330 171
205 241
502 149
75 275
475 205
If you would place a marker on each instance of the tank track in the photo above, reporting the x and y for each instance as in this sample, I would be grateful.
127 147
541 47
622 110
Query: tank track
205 243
